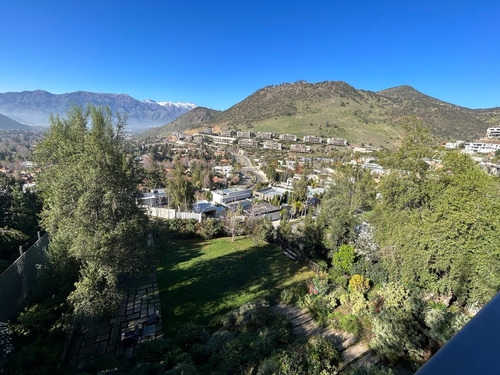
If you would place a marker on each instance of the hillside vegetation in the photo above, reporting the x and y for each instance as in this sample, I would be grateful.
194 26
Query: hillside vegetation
336 109
192 119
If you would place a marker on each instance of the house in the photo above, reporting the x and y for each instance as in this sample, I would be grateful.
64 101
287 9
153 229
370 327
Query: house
227 133
226 196
312 139
271 145
266 210
336 142
247 142
155 198
218 139
244 134
300 148
480 147
205 207
288 137
269 193
453 145
493 133
264 135
226 170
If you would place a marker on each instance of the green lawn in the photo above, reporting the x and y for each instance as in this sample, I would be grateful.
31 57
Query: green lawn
201 279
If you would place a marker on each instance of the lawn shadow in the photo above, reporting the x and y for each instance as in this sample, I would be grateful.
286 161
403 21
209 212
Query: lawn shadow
213 286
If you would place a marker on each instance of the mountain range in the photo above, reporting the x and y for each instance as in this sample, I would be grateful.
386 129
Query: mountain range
327 109
336 109
192 119
6 123
35 107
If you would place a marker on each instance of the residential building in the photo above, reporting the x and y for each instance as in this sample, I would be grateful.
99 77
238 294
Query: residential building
269 193
453 145
218 139
226 196
480 147
493 133
288 137
264 135
312 139
272 145
266 210
300 148
156 198
247 142
226 170
179 135
198 138
205 207
244 134
227 133
336 141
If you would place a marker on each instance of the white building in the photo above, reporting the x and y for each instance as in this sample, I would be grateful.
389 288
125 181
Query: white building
493 133
453 145
288 137
480 147
226 196
271 145
336 141
226 170
312 139
223 140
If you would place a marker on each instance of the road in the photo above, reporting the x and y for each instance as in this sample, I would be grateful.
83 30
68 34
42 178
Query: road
247 169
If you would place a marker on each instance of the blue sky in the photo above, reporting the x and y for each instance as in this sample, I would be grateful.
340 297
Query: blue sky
215 53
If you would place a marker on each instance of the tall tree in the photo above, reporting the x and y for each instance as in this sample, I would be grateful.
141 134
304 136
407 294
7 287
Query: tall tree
90 188
352 191
180 189
436 227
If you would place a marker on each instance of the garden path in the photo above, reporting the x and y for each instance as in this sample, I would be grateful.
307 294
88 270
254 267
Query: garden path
303 324
142 302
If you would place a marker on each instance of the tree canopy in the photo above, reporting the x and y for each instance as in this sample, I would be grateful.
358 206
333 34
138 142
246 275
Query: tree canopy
90 210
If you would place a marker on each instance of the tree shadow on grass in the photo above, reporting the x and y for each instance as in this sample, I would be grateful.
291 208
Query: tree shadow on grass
209 287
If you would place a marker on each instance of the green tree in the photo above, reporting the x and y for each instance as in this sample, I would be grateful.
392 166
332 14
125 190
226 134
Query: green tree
353 191
19 215
180 189
436 227
397 323
90 207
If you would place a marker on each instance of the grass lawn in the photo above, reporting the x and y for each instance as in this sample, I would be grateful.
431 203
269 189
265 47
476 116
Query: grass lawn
201 279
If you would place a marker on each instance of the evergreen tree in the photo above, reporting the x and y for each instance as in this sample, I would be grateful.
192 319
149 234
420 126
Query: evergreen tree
180 189
90 208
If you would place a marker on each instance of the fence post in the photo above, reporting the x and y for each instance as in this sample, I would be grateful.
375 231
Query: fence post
21 250
38 234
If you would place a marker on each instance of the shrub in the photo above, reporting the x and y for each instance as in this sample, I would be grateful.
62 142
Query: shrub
349 323
211 228
292 294
359 284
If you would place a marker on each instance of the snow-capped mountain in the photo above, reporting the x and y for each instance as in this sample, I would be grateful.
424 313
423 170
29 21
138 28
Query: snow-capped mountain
35 107
187 106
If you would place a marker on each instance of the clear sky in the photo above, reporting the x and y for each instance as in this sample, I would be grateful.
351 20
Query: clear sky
217 52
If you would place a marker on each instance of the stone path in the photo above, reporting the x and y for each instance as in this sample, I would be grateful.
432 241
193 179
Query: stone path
303 324
142 303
